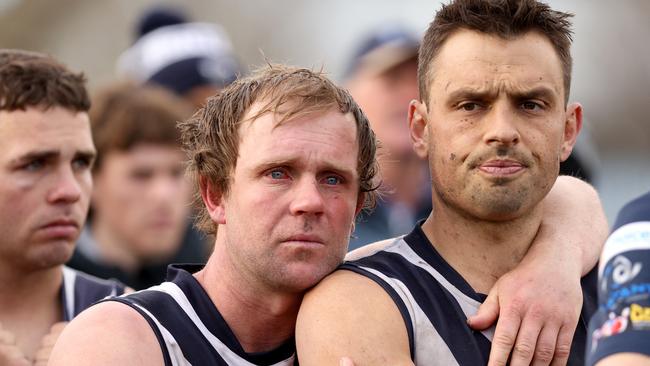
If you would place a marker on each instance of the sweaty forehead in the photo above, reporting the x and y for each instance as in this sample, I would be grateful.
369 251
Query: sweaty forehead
470 59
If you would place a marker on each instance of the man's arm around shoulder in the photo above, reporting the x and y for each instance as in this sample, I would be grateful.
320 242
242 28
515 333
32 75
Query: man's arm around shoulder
109 333
350 315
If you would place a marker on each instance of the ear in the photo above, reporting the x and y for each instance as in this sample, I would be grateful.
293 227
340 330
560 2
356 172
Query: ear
213 200
572 126
418 126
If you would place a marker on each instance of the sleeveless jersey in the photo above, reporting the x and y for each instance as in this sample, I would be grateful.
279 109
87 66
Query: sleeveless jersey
435 302
190 329
622 323
80 290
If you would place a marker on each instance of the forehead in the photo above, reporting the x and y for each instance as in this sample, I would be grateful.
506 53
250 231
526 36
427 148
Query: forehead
327 137
473 59
54 129
144 154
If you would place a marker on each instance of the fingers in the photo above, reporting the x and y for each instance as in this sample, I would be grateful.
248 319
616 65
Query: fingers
563 345
504 338
487 313
346 361
524 349
545 349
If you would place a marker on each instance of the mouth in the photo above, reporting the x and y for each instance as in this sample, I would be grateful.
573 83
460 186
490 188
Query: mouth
502 167
304 240
61 229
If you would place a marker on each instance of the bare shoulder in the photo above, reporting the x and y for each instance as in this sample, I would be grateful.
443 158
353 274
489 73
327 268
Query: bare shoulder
625 359
350 315
109 333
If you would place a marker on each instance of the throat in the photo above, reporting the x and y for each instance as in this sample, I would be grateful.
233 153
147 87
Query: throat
481 251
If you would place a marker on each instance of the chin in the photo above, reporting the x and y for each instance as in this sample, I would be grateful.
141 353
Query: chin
52 256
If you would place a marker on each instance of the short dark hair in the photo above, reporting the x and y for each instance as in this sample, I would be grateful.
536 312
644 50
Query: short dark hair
504 18
125 115
211 137
30 79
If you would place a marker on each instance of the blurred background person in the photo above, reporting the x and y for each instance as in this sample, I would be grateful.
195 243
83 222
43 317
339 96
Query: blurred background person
194 60
140 205
382 78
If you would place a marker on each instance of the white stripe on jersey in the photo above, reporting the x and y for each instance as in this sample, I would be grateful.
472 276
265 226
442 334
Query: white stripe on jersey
425 334
174 350
226 353
69 278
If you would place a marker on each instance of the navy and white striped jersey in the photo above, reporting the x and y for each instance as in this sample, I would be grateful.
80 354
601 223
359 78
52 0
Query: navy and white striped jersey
622 323
80 290
435 302
190 329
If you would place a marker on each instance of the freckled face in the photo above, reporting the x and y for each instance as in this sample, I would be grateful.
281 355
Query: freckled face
496 123
292 199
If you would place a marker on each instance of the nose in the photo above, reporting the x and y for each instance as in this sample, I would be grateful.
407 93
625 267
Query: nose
165 188
308 199
67 187
501 126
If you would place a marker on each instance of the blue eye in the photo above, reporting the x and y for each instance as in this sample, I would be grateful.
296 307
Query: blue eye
332 180
277 174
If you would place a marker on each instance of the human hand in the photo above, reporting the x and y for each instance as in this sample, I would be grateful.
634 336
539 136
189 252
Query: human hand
10 354
536 316
346 361
43 353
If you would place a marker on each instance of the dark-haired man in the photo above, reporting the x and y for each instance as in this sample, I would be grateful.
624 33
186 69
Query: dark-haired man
46 152
494 122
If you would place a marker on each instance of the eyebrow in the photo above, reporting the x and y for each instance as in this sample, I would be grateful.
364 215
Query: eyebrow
540 92
52 154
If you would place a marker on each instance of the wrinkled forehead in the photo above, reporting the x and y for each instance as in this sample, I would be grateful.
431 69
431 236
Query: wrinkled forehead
466 55
287 113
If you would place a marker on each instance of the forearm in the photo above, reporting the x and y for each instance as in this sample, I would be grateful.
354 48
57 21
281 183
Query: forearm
574 227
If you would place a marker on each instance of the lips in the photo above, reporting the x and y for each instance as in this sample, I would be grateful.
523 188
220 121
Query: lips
305 238
501 167
61 229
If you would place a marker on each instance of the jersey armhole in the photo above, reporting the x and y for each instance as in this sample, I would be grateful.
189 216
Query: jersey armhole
396 299
156 331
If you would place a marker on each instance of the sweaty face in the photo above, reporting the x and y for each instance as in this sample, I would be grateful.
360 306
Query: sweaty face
142 196
496 123
45 184
292 199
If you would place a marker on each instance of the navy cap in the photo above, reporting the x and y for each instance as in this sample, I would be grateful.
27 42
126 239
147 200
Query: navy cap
383 49
157 17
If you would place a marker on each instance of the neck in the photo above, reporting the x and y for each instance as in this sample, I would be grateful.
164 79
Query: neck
31 304
113 249
260 318
480 251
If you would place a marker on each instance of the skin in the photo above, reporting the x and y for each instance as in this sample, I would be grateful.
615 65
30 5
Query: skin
141 204
45 184
298 183
625 359
494 150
